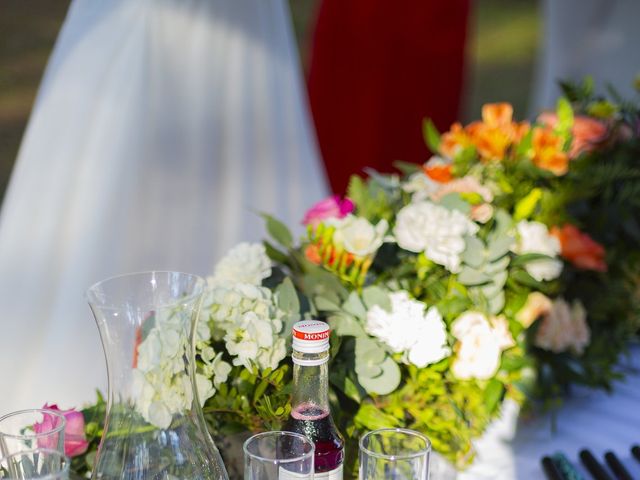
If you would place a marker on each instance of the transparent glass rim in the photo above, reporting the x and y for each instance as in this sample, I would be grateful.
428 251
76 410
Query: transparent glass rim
142 274
64 460
29 436
280 433
403 456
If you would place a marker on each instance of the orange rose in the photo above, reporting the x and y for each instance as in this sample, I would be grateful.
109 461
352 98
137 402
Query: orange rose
587 132
580 249
547 151
454 140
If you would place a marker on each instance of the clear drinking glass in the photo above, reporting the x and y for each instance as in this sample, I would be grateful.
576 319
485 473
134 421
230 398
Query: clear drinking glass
37 464
154 428
278 456
31 429
394 454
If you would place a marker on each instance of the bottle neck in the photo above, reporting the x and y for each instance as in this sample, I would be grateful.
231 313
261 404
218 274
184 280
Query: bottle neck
310 383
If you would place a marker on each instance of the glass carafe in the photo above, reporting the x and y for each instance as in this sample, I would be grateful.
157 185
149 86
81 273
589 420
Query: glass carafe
154 427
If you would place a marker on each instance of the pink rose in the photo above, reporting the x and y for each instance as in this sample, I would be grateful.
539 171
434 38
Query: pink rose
331 207
587 132
75 441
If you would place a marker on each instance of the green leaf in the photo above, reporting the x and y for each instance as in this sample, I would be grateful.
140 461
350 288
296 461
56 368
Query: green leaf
278 231
323 304
565 115
525 206
498 266
431 135
368 351
521 260
371 418
406 167
375 295
274 254
493 394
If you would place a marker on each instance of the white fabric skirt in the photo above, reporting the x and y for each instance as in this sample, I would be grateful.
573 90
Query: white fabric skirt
161 129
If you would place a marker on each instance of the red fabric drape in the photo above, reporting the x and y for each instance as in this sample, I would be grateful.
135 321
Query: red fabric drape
378 67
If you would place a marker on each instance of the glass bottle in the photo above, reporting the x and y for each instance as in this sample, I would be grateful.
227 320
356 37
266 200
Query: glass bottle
154 428
310 414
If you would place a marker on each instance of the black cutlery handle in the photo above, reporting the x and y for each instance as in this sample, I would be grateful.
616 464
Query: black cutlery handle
595 469
617 467
635 451
550 469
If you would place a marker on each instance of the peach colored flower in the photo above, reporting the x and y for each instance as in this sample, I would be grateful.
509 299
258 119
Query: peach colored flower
481 212
312 253
491 141
564 328
537 304
580 249
455 140
547 151
587 132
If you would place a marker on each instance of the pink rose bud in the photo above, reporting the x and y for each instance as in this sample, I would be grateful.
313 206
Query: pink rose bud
75 441
331 207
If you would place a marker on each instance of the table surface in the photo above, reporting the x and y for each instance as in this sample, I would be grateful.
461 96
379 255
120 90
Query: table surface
512 449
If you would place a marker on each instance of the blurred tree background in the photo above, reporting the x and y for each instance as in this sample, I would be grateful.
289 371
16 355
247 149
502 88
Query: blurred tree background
502 50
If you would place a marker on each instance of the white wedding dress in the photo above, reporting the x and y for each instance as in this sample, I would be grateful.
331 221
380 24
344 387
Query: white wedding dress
161 129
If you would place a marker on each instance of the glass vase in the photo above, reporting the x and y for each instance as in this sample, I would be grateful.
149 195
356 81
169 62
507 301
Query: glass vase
154 428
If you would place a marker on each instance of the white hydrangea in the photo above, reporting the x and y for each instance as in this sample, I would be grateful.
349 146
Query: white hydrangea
534 237
480 345
161 385
358 236
435 230
245 263
247 318
410 328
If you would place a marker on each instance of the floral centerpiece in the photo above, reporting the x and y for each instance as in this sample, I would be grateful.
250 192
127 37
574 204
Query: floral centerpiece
478 276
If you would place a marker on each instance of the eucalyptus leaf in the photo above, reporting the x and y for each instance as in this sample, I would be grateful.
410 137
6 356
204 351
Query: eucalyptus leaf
473 254
325 305
497 266
368 351
384 383
453 201
496 304
345 325
499 247
354 306
376 296
469 276
288 297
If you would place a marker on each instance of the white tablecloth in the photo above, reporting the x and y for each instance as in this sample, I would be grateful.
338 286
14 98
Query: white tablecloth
588 419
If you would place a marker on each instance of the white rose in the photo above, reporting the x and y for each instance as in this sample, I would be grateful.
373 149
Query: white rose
358 236
479 346
408 329
534 237
434 230
245 263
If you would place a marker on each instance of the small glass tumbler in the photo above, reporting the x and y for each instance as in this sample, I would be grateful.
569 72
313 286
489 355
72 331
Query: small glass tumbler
37 464
394 454
31 429
278 456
